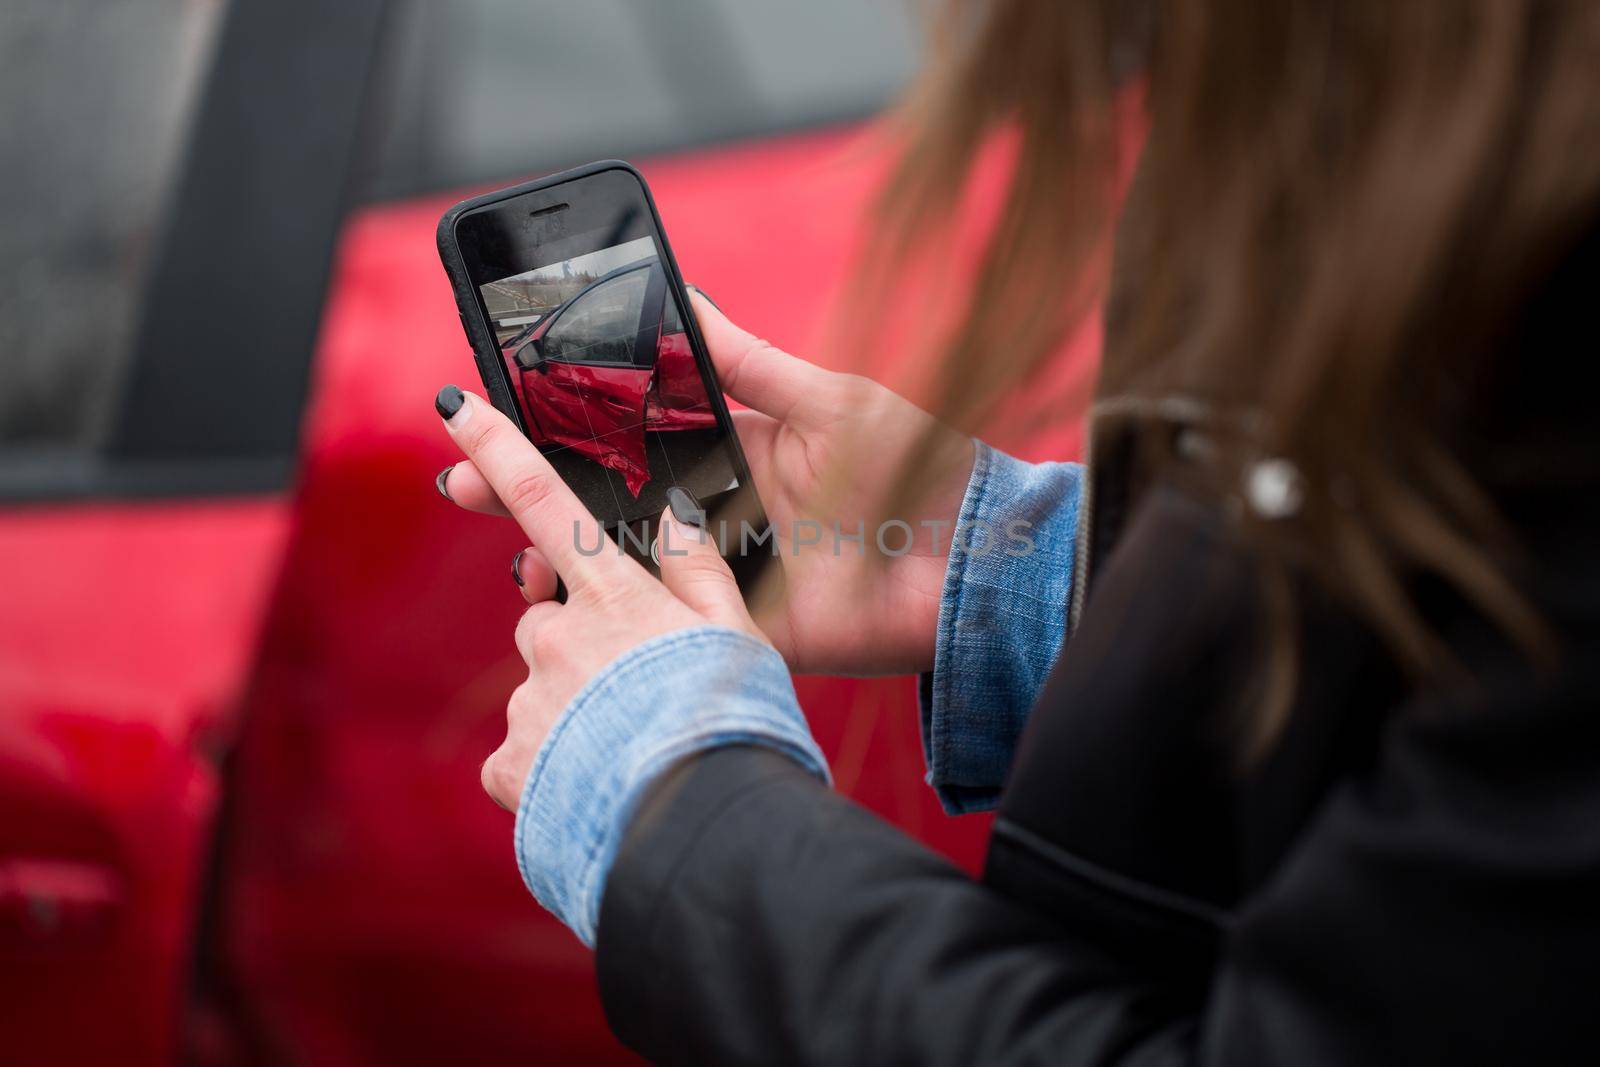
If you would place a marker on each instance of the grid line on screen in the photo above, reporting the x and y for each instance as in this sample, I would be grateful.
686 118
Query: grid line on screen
596 437
583 402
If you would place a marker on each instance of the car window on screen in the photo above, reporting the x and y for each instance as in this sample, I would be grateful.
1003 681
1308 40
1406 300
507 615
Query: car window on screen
483 91
601 324
95 98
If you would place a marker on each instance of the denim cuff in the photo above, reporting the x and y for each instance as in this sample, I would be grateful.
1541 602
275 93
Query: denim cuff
670 697
1002 621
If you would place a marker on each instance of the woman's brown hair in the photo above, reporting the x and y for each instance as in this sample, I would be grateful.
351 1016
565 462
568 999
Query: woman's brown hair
1339 211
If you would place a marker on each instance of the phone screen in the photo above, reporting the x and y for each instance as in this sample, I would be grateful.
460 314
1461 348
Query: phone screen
593 345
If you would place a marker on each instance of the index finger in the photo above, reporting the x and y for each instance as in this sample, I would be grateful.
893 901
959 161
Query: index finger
541 503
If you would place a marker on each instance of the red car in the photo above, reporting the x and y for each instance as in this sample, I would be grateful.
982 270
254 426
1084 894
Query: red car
249 661
608 365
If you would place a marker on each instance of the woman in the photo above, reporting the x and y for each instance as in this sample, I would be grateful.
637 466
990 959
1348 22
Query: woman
1315 778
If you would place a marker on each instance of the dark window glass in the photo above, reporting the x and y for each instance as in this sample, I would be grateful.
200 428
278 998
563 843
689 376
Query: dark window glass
490 90
94 102
602 325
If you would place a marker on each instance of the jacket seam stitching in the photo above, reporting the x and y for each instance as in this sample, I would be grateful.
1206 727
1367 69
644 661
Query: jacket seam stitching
1122 884
670 876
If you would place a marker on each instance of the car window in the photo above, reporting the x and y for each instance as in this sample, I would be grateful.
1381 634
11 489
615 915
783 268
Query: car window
602 324
483 91
94 101
100 101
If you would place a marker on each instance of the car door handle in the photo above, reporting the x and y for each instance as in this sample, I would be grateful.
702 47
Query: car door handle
47 901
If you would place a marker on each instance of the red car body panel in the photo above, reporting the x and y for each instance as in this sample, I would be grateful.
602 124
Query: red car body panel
677 399
597 411
126 640
367 909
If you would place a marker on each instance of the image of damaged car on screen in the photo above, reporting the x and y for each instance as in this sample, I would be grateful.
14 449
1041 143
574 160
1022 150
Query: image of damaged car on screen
597 355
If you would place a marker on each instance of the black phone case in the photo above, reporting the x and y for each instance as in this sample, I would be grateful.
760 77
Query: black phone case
487 354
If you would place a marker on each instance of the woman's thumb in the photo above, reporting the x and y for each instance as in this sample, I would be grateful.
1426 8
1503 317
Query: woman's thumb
758 375
693 570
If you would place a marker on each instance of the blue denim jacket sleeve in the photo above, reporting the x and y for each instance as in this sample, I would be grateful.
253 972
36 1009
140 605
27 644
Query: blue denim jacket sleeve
1002 621
674 695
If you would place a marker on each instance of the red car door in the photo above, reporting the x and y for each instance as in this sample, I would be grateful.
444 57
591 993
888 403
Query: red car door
586 387
140 548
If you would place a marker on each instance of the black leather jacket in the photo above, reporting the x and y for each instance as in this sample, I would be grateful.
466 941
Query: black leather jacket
1412 875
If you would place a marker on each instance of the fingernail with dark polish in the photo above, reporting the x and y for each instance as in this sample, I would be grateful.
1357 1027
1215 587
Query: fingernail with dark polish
444 476
705 294
449 401
516 568
685 508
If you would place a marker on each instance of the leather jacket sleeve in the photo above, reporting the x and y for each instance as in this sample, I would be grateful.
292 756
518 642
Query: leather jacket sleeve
754 916
1441 911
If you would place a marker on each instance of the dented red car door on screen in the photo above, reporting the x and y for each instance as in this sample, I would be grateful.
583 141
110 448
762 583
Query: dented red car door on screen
583 376
613 402
554 408
677 398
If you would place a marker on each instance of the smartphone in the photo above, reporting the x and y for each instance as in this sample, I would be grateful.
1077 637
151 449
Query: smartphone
583 335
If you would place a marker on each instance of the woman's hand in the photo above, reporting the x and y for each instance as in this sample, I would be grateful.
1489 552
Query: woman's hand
612 603
823 448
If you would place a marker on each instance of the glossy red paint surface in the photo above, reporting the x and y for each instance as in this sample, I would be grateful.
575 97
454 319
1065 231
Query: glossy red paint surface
369 910
677 399
126 637
597 411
